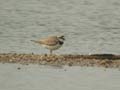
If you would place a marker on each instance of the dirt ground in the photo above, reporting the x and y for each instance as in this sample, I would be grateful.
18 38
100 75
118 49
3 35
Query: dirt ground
100 60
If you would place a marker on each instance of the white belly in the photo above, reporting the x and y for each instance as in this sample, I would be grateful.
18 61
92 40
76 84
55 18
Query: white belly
52 47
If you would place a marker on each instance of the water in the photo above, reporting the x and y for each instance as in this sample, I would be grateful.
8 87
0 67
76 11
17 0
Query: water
35 77
90 26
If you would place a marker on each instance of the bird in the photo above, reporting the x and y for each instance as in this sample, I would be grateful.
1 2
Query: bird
51 42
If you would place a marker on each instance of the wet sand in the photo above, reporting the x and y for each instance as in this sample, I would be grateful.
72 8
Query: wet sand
39 77
99 60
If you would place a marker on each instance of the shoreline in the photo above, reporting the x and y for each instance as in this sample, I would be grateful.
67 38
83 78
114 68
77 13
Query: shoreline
99 60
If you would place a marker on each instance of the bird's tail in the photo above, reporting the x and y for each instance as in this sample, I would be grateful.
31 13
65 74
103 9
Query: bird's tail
36 41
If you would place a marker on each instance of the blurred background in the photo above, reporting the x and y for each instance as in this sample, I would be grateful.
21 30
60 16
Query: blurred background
90 26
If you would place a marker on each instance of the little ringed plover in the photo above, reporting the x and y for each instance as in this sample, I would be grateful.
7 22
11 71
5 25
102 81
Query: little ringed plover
51 42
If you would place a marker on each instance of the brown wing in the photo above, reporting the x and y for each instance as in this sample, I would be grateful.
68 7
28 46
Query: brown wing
53 40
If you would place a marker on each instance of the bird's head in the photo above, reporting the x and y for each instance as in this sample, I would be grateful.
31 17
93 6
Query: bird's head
61 38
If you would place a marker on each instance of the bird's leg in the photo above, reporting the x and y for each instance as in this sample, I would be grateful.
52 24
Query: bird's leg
50 52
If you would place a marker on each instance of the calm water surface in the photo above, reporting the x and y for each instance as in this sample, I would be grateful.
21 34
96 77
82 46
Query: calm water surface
90 26
35 77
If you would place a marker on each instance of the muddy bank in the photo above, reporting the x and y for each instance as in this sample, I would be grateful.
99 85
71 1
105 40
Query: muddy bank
100 60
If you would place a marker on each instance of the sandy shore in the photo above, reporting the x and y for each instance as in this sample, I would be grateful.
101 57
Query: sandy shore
100 60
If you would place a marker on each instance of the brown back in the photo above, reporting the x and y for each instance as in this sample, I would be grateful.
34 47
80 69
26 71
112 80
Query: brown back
52 40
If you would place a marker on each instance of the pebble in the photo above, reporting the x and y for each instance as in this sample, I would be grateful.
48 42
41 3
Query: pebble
18 68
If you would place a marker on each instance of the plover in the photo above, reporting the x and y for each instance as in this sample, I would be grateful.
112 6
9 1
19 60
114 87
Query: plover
51 42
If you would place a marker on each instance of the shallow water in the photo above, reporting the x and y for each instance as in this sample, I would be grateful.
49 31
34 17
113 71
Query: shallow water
90 26
35 77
